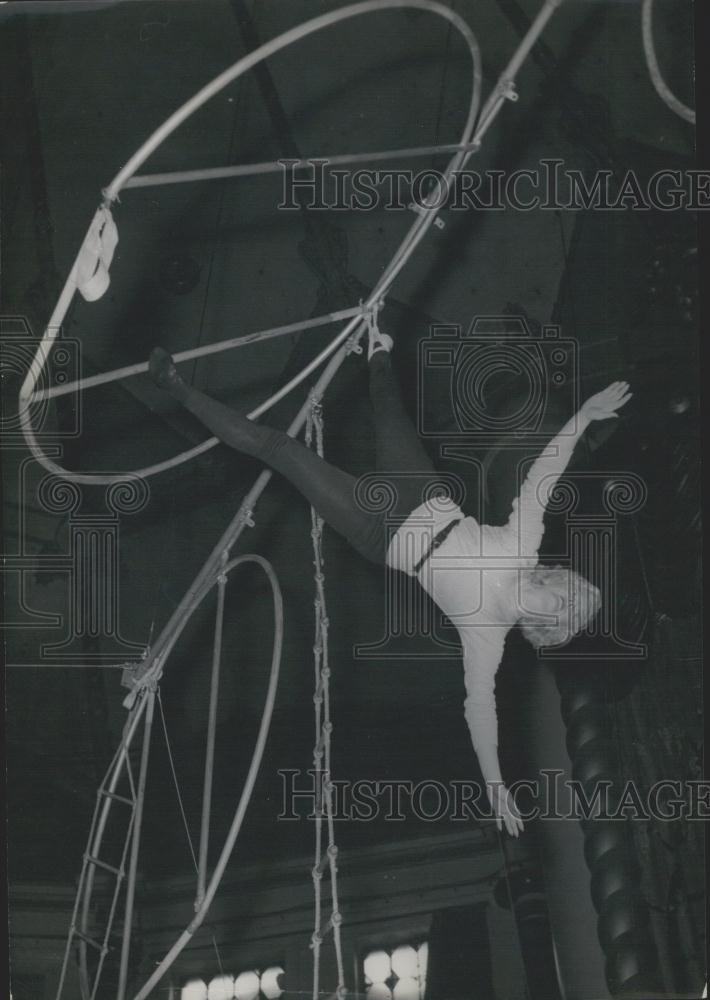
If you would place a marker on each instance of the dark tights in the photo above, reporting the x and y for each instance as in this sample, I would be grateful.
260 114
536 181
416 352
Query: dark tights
330 490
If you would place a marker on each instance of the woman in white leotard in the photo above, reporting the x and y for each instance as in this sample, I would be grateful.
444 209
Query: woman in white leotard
485 579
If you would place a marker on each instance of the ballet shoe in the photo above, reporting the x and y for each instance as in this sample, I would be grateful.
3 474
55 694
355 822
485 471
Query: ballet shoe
378 342
162 370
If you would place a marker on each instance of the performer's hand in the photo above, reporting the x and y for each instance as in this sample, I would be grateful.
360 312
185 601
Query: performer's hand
504 809
604 404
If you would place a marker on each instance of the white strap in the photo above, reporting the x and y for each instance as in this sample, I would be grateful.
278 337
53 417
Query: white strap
96 255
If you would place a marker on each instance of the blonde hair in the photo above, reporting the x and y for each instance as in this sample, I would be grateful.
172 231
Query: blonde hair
583 602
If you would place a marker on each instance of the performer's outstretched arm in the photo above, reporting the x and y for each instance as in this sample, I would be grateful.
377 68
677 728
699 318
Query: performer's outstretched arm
482 654
529 507
483 647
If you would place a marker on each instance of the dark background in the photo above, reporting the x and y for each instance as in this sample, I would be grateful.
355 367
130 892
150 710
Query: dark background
197 263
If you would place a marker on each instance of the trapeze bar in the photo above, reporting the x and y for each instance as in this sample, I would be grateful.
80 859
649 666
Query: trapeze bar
196 352
273 166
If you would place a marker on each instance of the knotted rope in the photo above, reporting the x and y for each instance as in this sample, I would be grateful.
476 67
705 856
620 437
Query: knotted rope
322 762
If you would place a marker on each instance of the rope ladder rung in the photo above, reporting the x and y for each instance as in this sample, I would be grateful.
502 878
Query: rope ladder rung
325 861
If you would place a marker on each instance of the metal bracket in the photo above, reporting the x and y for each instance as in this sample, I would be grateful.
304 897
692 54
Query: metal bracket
315 400
506 88
420 210
353 345
133 677
246 517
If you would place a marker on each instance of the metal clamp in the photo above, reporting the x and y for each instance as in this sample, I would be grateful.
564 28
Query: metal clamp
422 210
506 88
352 344
246 517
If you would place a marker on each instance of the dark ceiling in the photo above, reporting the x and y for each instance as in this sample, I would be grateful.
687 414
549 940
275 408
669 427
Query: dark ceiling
85 84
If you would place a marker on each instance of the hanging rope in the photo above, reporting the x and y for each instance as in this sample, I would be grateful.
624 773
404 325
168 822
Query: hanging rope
654 69
322 761
176 783
186 825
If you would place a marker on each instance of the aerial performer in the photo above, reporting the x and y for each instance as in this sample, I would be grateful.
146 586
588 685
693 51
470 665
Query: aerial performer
485 578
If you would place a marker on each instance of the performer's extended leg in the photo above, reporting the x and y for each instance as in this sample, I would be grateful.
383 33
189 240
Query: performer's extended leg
401 458
327 488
